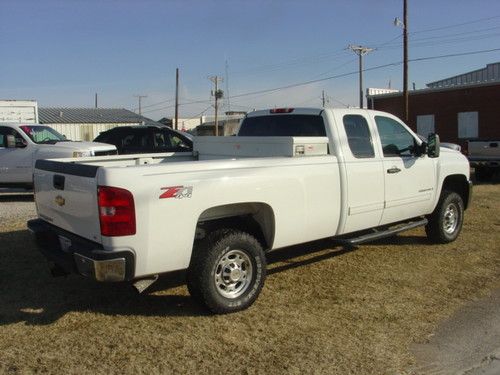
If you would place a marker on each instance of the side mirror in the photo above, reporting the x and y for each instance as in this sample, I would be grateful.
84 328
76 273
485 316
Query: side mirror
11 141
433 145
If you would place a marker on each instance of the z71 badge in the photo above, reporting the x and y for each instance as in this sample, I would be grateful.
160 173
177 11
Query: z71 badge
178 192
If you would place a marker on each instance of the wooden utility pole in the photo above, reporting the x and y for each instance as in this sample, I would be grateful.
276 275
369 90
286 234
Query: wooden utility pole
176 98
323 98
360 51
140 102
217 95
96 100
405 60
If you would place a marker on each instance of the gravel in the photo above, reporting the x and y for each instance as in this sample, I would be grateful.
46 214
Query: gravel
16 206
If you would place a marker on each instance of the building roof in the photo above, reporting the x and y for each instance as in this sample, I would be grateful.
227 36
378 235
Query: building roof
491 73
432 90
91 116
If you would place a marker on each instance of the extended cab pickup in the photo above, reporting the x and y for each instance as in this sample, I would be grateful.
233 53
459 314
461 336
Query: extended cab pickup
484 157
21 145
290 176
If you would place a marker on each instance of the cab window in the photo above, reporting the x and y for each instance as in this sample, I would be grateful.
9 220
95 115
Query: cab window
5 131
395 139
358 136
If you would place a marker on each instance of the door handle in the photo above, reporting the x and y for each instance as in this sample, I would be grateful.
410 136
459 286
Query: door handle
393 170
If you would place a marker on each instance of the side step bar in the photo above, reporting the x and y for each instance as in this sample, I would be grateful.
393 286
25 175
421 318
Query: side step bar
382 232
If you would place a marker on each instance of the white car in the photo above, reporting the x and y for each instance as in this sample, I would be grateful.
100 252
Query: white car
22 144
290 176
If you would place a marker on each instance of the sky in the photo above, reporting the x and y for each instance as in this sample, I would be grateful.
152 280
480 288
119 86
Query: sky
62 52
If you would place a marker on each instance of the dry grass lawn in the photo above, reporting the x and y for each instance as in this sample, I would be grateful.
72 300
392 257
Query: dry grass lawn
323 310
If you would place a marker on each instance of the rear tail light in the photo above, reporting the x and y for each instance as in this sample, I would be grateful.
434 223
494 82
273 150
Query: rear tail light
282 110
116 211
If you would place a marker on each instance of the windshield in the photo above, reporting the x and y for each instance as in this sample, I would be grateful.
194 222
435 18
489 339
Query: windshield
42 134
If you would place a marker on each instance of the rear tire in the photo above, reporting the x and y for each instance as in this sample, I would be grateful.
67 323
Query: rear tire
445 223
227 271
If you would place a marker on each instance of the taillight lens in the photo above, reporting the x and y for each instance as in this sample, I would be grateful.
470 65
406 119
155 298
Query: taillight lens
116 211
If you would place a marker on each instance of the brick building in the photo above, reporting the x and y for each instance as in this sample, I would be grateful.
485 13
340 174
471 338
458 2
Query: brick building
457 108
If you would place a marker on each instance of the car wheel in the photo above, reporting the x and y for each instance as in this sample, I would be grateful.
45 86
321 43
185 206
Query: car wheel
445 223
227 271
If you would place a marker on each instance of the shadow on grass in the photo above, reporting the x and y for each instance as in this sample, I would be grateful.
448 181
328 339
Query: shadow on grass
403 240
494 180
29 294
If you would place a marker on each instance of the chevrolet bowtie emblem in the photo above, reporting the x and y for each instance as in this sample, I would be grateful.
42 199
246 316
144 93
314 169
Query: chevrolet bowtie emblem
60 201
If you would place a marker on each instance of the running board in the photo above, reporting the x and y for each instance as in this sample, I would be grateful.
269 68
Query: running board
379 233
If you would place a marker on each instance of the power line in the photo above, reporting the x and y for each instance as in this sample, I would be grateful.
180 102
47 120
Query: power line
155 104
304 83
455 25
428 42
365 70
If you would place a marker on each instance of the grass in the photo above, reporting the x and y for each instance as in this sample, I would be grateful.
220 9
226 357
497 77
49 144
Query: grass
324 310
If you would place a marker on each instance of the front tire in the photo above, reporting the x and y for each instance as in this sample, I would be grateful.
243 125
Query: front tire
445 223
227 271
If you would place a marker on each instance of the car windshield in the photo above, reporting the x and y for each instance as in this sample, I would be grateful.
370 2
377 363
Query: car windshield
42 134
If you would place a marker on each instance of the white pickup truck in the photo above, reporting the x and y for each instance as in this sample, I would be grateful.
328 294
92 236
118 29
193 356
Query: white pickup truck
290 176
484 157
22 144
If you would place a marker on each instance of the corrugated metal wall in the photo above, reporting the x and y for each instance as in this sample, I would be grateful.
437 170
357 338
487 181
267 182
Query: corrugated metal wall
83 132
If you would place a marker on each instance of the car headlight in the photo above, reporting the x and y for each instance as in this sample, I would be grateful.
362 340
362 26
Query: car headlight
81 154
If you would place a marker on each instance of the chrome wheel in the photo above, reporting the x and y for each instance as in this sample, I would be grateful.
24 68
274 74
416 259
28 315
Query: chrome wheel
451 218
233 274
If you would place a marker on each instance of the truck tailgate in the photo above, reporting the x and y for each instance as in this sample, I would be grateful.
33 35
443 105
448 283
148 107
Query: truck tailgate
66 196
484 150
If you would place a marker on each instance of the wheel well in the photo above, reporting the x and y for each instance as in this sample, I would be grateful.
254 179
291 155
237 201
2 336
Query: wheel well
254 218
459 184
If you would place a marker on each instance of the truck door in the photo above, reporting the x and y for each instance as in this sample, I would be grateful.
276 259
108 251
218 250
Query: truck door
364 173
15 163
410 179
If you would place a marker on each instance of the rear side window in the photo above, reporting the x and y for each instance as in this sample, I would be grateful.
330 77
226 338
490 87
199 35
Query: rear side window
358 136
138 140
283 126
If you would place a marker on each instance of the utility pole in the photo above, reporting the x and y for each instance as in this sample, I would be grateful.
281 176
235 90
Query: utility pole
96 100
228 104
360 51
323 98
217 94
405 59
140 102
404 26
176 98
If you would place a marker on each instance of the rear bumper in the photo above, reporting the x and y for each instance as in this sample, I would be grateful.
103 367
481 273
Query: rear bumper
75 254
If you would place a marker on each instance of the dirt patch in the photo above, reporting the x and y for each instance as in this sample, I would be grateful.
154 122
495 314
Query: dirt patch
323 310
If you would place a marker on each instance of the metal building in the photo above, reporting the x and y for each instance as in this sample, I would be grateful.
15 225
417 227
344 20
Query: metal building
459 108
491 73
84 124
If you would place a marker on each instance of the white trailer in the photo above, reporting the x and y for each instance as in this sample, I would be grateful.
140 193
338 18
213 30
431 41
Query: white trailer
25 111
